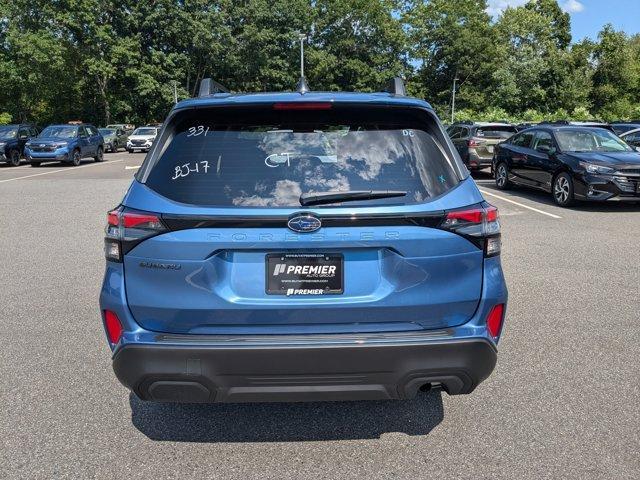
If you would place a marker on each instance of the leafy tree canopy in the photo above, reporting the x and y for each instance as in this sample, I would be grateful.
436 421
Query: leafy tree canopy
123 60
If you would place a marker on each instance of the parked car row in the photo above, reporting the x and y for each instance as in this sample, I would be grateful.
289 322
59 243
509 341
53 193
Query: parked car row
574 161
71 142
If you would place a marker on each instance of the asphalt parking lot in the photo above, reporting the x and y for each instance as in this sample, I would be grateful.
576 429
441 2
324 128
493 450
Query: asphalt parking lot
564 401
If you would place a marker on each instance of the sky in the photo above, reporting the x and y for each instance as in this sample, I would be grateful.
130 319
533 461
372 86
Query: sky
589 16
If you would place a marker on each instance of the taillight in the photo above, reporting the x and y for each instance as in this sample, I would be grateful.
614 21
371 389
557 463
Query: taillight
494 320
113 326
126 228
480 224
475 142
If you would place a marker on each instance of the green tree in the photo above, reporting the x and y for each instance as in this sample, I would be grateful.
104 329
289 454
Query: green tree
356 44
537 69
449 40
35 79
616 80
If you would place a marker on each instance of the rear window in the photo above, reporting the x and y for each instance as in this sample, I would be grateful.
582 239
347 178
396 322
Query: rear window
262 157
496 131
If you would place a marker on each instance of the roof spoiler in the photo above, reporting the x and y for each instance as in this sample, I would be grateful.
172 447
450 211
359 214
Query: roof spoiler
395 86
209 86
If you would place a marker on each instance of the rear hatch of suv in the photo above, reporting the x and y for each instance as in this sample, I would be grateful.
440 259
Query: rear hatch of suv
229 228
488 136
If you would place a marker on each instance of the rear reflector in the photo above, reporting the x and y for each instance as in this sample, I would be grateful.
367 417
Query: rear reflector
494 320
113 326
302 106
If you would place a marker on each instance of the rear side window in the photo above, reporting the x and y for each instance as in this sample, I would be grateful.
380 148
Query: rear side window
543 142
262 157
523 140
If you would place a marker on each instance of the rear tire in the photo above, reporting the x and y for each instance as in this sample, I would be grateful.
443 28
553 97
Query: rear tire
99 155
14 158
502 177
563 193
76 158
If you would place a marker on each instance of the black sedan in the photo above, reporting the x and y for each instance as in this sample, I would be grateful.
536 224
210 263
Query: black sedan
572 163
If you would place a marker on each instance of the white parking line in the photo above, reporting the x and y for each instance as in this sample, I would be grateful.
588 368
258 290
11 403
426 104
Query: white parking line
67 169
133 167
542 212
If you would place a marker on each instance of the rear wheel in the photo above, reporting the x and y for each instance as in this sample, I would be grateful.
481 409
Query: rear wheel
14 158
502 177
563 190
99 155
76 158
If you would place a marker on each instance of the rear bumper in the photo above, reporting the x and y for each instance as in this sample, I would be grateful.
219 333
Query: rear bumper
292 369
476 161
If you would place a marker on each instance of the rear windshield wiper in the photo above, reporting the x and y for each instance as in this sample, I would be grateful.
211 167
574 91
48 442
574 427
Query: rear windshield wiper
320 198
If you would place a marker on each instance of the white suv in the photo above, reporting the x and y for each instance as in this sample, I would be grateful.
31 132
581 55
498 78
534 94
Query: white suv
141 139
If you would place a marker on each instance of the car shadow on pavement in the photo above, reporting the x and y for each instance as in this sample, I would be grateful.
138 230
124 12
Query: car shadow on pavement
286 422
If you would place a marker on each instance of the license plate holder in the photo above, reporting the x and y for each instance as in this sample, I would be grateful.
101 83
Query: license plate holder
304 274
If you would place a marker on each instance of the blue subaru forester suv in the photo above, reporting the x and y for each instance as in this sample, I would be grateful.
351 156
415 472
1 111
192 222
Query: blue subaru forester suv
302 246
65 143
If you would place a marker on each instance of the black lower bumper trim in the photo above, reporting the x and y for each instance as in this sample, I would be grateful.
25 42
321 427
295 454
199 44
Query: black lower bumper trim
189 373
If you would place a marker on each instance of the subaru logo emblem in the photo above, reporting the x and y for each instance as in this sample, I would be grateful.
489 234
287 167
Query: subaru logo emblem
304 223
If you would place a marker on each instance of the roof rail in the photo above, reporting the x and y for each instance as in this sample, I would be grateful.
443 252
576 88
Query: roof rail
395 86
209 86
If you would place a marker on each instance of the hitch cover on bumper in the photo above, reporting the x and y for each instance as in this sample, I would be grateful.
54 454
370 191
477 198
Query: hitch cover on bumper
302 371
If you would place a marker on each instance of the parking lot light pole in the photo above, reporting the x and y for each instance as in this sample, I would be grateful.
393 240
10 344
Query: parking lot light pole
302 37
453 99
